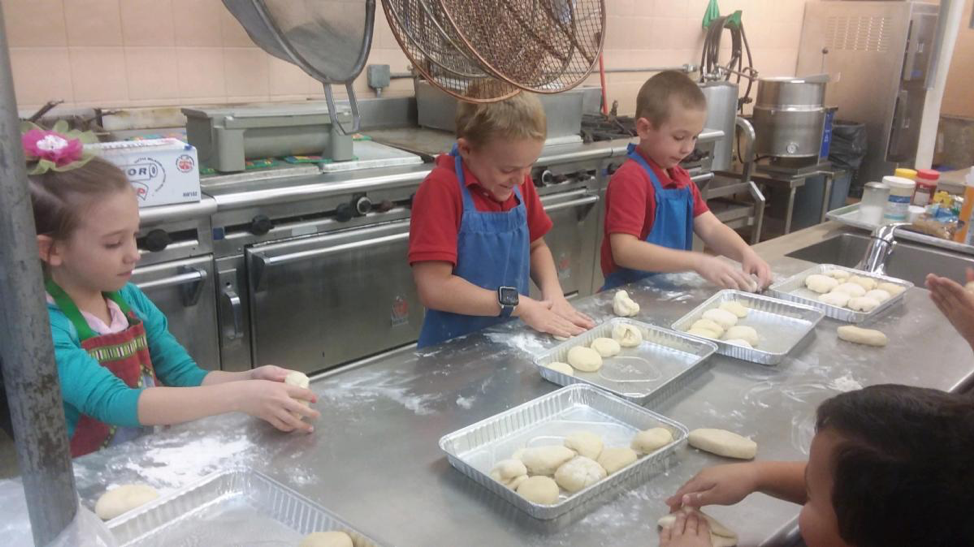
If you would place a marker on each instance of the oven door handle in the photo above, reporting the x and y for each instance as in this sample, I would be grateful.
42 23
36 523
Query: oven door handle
189 280
262 261
236 310
587 200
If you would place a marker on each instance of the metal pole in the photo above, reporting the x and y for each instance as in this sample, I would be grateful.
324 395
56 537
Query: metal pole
29 370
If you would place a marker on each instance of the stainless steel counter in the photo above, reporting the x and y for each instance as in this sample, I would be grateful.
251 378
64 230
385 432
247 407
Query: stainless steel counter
374 459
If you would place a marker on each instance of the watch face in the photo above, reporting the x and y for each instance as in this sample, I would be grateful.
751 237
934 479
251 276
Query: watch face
508 296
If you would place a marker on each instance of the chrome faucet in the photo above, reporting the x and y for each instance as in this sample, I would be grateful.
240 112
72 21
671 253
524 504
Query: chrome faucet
881 246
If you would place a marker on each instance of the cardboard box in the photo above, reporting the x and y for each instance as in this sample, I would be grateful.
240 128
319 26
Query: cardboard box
162 171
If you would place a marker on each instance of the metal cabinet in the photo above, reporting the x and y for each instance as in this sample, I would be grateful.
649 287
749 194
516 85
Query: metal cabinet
573 239
184 291
318 302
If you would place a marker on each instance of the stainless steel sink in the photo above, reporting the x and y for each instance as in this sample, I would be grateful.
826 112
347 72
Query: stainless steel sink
909 261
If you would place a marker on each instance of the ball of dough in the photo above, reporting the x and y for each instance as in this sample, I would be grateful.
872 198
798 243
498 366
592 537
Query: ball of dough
508 471
735 307
723 443
705 333
123 499
878 294
836 298
863 303
559 338
606 347
299 379
867 283
544 460
540 490
868 337
892 288
584 359
614 459
707 324
579 473
841 275
651 440
820 283
563 368
628 336
852 289
742 332
584 443
326 539
623 306
739 342
723 318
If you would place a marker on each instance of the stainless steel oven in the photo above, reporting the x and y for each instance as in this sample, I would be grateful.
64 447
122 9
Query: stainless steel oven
312 274
321 301
177 273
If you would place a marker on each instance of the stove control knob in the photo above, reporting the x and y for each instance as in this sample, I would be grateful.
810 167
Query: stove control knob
344 212
547 177
363 205
157 240
260 225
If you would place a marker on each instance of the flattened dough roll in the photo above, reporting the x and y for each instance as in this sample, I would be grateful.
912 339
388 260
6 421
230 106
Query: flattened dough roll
723 318
891 288
858 335
584 359
735 307
852 289
723 443
628 336
820 283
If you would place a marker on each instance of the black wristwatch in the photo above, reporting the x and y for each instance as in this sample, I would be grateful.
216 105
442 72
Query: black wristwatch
508 298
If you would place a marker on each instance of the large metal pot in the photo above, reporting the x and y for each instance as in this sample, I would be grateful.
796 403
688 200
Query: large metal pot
722 115
789 117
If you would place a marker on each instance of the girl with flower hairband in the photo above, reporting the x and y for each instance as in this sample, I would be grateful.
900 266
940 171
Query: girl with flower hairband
121 370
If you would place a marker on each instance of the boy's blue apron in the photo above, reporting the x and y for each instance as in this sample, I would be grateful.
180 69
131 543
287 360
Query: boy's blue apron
493 250
672 227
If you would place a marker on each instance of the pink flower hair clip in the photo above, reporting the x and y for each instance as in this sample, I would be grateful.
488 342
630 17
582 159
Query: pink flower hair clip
59 149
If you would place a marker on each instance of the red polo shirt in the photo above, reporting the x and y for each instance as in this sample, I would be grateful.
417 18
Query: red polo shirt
630 202
438 208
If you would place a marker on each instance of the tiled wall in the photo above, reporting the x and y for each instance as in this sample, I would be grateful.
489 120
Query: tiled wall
116 53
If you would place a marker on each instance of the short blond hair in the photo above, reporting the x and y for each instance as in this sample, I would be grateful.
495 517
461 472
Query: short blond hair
656 96
519 117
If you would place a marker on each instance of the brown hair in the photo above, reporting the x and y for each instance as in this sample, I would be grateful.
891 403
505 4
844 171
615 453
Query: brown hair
60 198
655 97
519 117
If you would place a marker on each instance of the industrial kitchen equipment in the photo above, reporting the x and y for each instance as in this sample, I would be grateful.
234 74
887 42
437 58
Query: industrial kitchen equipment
880 57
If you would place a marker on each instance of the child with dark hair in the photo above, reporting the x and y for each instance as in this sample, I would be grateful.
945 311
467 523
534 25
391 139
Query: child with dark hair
119 367
890 466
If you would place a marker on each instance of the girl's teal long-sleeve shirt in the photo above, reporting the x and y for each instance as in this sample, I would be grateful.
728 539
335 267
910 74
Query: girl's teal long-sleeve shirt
90 389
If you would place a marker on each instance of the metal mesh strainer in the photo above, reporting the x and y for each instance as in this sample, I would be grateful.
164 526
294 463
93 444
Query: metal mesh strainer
438 53
545 46
328 39
499 46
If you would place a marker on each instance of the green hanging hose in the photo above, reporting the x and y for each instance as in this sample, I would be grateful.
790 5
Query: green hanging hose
713 12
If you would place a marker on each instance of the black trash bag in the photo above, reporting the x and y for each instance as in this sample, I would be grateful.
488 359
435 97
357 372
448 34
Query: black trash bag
848 145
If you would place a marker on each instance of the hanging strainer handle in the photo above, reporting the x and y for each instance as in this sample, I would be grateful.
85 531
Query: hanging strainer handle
333 112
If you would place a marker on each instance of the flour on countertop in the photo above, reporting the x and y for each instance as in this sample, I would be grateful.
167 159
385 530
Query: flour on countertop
845 383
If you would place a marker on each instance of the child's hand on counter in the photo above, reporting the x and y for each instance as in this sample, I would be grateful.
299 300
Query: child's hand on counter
753 264
539 315
720 485
563 308
276 403
722 273
272 373
689 530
